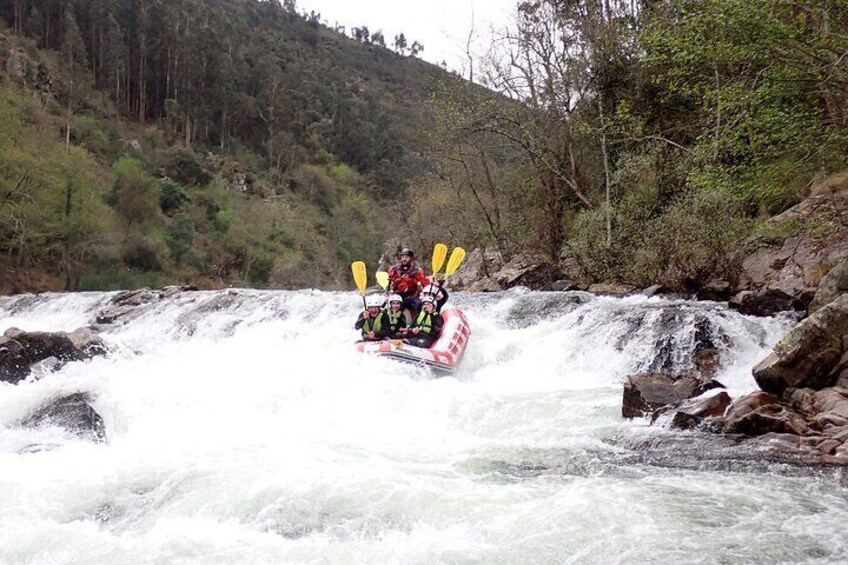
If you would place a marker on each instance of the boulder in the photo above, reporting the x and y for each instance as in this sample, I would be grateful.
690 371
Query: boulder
749 403
692 412
766 419
832 286
653 290
765 302
20 350
73 413
715 290
478 265
527 270
793 246
646 392
564 285
811 355
832 402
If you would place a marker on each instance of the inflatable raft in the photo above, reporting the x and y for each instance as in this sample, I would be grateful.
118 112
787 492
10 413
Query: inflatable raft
442 357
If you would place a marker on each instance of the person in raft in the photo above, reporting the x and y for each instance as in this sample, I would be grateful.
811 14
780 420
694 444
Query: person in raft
397 319
439 293
405 279
428 325
373 321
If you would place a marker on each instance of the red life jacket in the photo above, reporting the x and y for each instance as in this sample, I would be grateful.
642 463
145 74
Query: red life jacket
406 282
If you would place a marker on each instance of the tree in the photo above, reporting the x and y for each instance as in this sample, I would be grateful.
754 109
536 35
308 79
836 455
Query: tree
378 38
416 48
76 60
400 43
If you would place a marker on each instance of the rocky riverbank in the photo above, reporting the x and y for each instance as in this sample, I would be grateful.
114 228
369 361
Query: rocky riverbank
780 267
801 411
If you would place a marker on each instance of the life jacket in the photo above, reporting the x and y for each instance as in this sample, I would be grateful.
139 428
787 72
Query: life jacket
394 320
405 282
425 322
373 325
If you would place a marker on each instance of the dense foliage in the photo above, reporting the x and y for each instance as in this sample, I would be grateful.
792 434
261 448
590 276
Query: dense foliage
212 142
237 142
651 136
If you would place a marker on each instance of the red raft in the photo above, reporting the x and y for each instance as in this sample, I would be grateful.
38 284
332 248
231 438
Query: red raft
442 357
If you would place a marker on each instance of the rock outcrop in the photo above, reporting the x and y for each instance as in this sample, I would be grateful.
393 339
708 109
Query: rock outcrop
125 305
812 355
20 350
801 413
72 413
783 266
644 393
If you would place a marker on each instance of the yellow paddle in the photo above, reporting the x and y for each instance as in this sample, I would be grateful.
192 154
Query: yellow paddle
457 255
360 277
440 251
382 279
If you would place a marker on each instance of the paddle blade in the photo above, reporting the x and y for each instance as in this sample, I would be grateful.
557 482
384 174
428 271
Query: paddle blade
360 276
440 251
382 279
456 258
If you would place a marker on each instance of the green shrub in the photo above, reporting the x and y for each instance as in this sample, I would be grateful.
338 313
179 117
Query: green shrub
185 167
171 197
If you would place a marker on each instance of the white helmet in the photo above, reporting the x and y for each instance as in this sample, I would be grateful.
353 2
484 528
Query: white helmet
430 289
395 298
428 300
373 300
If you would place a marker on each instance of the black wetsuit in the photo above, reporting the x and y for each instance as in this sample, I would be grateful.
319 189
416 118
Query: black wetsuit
396 323
430 326
379 325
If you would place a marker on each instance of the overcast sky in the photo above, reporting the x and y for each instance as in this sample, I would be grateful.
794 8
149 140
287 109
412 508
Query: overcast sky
442 26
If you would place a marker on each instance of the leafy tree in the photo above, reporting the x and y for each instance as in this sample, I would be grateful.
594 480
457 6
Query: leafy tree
400 43
134 192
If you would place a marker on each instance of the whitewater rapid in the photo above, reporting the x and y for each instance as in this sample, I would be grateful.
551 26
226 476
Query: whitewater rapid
242 428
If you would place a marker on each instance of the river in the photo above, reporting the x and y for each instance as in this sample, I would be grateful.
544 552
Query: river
242 428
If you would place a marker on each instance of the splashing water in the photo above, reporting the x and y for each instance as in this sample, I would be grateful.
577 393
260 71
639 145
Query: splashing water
242 428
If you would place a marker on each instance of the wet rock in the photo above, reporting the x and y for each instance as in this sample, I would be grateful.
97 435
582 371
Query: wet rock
837 432
173 290
715 290
20 350
832 286
73 413
134 297
124 304
811 355
14 365
766 302
527 311
801 399
653 290
829 446
563 285
765 419
691 413
789 442
646 392
750 402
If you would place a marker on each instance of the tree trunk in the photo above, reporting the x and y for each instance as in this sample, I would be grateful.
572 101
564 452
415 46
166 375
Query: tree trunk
605 156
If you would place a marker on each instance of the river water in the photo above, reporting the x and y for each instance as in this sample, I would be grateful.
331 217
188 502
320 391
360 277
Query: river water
242 428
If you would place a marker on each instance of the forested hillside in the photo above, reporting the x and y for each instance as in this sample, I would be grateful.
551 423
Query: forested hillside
239 142
232 142
651 137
